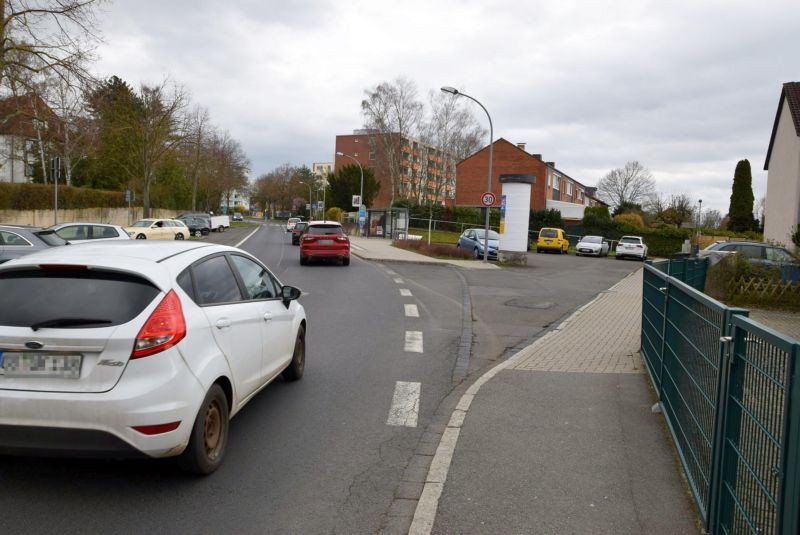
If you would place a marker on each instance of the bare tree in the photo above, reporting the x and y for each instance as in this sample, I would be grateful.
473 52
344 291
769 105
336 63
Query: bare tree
38 37
198 131
712 219
632 183
392 113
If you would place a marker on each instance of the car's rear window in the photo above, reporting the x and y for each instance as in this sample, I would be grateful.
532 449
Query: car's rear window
41 295
300 225
548 233
50 238
324 229
628 239
592 239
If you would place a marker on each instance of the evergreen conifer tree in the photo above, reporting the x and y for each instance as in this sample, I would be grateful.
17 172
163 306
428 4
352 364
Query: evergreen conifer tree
740 213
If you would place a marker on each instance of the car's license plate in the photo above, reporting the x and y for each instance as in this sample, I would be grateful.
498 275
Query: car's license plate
32 364
325 242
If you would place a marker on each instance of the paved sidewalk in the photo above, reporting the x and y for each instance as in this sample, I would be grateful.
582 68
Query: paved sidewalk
382 249
561 438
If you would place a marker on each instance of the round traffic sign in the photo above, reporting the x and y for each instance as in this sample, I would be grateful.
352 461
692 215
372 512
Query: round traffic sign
488 198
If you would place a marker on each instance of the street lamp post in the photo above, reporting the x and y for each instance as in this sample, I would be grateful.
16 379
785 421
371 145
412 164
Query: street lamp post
360 191
456 92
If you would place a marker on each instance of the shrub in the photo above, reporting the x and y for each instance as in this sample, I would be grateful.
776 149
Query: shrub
40 197
334 214
632 219
436 250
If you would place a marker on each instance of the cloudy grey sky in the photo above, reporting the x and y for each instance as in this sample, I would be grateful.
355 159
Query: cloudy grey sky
688 88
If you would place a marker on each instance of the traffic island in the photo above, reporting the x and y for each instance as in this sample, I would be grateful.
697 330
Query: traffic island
512 258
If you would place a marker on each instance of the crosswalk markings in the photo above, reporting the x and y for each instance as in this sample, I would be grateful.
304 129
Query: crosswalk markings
405 292
405 404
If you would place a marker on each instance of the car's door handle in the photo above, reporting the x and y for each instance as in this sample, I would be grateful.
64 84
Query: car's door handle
222 323
268 316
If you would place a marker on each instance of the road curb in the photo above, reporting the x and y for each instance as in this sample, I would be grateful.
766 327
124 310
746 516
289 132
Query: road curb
428 504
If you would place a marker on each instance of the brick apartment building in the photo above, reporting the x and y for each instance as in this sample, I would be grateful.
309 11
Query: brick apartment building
426 174
23 120
553 188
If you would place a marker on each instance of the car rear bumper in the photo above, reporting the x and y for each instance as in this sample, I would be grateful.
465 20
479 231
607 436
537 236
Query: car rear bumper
325 253
154 390
549 248
593 252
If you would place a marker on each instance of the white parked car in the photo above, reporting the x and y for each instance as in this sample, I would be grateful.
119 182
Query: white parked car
592 245
631 246
79 232
159 229
127 348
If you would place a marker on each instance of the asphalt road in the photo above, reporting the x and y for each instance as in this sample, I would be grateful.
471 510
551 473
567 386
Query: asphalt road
317 456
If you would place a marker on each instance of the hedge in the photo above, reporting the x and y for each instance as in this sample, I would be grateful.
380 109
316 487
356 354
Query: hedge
40 197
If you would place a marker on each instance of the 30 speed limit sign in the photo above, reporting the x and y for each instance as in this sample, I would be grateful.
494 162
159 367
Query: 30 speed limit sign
488 198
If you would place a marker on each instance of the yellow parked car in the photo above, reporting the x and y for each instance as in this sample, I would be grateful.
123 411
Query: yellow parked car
158 229
552 239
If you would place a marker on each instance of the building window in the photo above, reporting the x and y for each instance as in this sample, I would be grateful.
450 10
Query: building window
28 169
556 182
549 180
569 188
372 155
355 140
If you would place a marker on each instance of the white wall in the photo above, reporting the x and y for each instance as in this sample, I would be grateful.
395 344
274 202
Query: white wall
783 183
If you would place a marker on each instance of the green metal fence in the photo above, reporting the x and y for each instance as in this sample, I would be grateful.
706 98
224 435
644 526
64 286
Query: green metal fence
692 271
728 391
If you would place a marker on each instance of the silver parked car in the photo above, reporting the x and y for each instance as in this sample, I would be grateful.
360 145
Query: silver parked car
19 240
593 246
78 232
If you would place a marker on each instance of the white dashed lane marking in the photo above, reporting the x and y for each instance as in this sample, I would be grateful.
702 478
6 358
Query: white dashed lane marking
412 311
399 281
413 341
405 405
405 292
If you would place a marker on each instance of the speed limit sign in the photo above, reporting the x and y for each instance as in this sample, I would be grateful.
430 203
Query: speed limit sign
488 198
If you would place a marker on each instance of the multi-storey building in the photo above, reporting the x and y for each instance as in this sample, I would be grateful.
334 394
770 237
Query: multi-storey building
424 173
553 188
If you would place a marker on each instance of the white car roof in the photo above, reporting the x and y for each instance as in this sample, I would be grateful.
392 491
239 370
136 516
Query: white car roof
151 259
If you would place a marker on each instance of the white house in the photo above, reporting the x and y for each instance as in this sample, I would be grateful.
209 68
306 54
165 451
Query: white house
782 210
23 121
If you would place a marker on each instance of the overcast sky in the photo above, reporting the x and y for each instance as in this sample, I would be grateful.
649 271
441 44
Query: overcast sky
688 88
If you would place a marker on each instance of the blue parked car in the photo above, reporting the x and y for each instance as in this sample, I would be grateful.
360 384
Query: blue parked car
472 240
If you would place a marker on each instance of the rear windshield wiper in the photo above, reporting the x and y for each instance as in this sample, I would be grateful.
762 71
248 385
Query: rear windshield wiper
69 322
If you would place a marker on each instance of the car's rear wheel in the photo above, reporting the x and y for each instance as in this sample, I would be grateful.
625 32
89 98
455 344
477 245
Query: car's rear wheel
303 260
346 261
141 237
209 435
179 236
298 365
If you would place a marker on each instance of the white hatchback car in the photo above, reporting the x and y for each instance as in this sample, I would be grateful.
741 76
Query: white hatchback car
631 246
129 348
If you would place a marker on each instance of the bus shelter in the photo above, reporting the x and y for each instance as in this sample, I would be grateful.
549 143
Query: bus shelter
387 223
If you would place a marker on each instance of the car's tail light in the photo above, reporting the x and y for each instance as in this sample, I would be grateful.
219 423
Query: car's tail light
308 237
163 329
342 238
639 247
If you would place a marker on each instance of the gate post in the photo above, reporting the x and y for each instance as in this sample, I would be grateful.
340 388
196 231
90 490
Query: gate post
789 496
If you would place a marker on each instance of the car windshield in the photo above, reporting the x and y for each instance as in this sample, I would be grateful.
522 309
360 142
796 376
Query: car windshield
300 225
548 233
142 224
628 239
325 229
479 233
51 238
592 239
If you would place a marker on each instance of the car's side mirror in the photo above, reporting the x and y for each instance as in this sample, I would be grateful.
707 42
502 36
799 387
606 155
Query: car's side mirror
289 293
